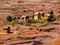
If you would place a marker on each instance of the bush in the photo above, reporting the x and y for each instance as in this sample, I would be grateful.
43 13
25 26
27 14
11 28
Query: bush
40 20
27 24
9 18
35 21
30 21
12 23
14 18
51 18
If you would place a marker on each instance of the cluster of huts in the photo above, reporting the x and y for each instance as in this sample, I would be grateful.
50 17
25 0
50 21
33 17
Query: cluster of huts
36 15
30 14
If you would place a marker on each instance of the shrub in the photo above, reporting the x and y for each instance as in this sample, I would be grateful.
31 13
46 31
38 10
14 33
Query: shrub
40 20
30 21
12 23
35 21
14 18
27 24
51 18
9 18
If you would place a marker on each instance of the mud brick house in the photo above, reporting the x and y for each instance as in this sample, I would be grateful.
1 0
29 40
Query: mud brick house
6 29
36 15
23 18
39 15
30 14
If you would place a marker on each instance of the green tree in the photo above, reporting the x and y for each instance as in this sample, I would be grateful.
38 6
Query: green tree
14 18
51 18
9 18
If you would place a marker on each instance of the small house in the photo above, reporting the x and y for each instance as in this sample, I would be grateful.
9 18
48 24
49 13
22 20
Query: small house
42 14
6 29
36 15
23 17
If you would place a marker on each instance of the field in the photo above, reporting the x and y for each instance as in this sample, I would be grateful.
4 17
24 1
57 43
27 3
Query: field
28 26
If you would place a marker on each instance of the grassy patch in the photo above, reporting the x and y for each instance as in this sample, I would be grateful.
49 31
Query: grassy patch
40 21
12 23
9 39
25 38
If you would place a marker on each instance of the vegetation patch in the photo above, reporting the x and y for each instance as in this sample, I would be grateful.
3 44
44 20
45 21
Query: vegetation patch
40 21
9 39
30 21
48 30
12 23
51 18
25 38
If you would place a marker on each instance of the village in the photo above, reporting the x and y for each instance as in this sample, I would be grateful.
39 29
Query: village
23 23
